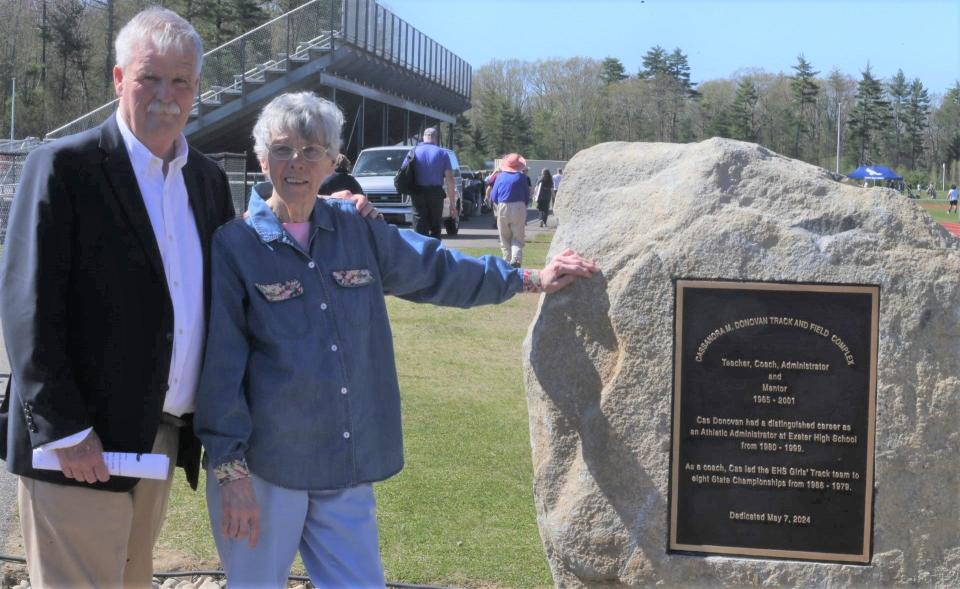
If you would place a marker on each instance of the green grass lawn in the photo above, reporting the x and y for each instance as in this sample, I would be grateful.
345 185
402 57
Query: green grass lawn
461 512
937 207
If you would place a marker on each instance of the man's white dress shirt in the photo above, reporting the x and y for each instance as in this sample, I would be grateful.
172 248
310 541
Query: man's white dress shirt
175 229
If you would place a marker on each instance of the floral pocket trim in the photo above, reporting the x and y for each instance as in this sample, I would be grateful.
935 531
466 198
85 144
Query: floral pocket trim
353 278
280 291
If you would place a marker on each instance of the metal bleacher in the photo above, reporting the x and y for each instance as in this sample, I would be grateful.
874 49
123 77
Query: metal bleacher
356 47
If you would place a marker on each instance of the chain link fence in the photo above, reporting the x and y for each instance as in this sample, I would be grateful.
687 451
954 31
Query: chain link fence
235 166
11 165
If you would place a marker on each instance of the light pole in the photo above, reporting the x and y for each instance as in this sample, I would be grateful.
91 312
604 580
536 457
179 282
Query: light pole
13 106
943 176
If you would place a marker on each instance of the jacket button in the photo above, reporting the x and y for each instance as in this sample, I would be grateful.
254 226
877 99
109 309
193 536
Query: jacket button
169 336
34 429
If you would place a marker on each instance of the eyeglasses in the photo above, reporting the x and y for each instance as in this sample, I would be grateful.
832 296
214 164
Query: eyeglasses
311 153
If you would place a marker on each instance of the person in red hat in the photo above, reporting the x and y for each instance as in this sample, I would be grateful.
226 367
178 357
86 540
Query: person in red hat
511 197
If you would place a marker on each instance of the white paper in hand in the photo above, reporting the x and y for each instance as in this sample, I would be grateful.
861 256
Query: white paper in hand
124 464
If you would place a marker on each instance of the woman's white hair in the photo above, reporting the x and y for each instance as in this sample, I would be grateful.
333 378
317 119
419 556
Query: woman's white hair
161 29
316 120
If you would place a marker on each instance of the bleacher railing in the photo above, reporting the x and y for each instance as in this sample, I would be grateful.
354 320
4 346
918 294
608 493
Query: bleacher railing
372 27
301 34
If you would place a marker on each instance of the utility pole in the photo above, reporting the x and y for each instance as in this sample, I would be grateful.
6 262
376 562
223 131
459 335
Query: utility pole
839 126
13 106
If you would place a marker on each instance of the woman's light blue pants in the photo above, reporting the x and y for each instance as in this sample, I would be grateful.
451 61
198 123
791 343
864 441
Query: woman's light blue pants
335 531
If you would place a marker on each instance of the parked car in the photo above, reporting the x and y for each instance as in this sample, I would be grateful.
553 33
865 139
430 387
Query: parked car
375 169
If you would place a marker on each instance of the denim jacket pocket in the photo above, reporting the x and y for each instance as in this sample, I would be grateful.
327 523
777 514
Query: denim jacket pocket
353 278
355 294
282 308
280 291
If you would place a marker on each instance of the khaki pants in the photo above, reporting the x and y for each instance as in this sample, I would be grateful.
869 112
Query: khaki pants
512 224
82 537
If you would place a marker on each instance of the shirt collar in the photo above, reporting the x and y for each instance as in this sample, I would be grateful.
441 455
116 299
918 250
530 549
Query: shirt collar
260 216
142 158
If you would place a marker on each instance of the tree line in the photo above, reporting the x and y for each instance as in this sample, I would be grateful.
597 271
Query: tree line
61 51
61 54
550 109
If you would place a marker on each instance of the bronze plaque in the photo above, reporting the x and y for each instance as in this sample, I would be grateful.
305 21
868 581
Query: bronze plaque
774 406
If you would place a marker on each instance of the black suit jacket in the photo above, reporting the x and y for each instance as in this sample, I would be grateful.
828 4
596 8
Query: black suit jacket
87 318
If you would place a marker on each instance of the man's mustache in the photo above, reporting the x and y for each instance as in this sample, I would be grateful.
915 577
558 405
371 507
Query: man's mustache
161 108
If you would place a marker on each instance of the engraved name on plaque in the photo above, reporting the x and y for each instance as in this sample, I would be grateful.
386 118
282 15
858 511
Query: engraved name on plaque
774 405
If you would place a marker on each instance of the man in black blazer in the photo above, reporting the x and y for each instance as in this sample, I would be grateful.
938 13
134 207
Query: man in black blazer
100 271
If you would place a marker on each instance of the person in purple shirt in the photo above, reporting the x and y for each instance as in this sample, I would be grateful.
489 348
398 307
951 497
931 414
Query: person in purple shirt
433 175
511 197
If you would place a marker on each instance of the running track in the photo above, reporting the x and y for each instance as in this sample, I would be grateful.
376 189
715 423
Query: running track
951 227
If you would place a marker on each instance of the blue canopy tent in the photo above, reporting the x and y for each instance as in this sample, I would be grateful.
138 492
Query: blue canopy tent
874 173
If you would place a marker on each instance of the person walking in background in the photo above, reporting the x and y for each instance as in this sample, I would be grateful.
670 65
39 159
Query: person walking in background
341 178
433 175
511 197
952 199
556 184
544 195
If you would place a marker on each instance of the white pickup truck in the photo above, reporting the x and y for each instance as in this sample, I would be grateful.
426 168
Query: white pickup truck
375 169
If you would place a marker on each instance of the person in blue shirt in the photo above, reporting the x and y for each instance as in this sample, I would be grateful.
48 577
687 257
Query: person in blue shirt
511 197
433 175
298 405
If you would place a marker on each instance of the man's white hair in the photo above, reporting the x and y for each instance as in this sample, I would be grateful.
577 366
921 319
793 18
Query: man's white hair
160 28
316 120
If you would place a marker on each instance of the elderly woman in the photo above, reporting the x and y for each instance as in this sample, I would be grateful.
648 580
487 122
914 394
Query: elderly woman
298 405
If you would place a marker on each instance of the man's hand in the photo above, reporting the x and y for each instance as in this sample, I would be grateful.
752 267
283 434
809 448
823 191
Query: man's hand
362 202
453 209
241 514
84 462
564 269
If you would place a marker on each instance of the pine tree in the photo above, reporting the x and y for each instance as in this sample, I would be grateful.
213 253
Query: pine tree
479 143
654 63
899 91
462 131
612 70
805 90
678 68
869 117
669 75
69 41
916 120
493 118
742 123
465 142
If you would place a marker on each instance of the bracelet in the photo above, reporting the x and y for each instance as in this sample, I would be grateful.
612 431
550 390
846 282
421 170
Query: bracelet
233 470
531 281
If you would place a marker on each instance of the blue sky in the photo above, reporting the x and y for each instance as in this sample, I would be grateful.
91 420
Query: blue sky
720 38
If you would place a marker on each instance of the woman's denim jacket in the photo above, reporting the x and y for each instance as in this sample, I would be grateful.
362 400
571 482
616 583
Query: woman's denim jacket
299 376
